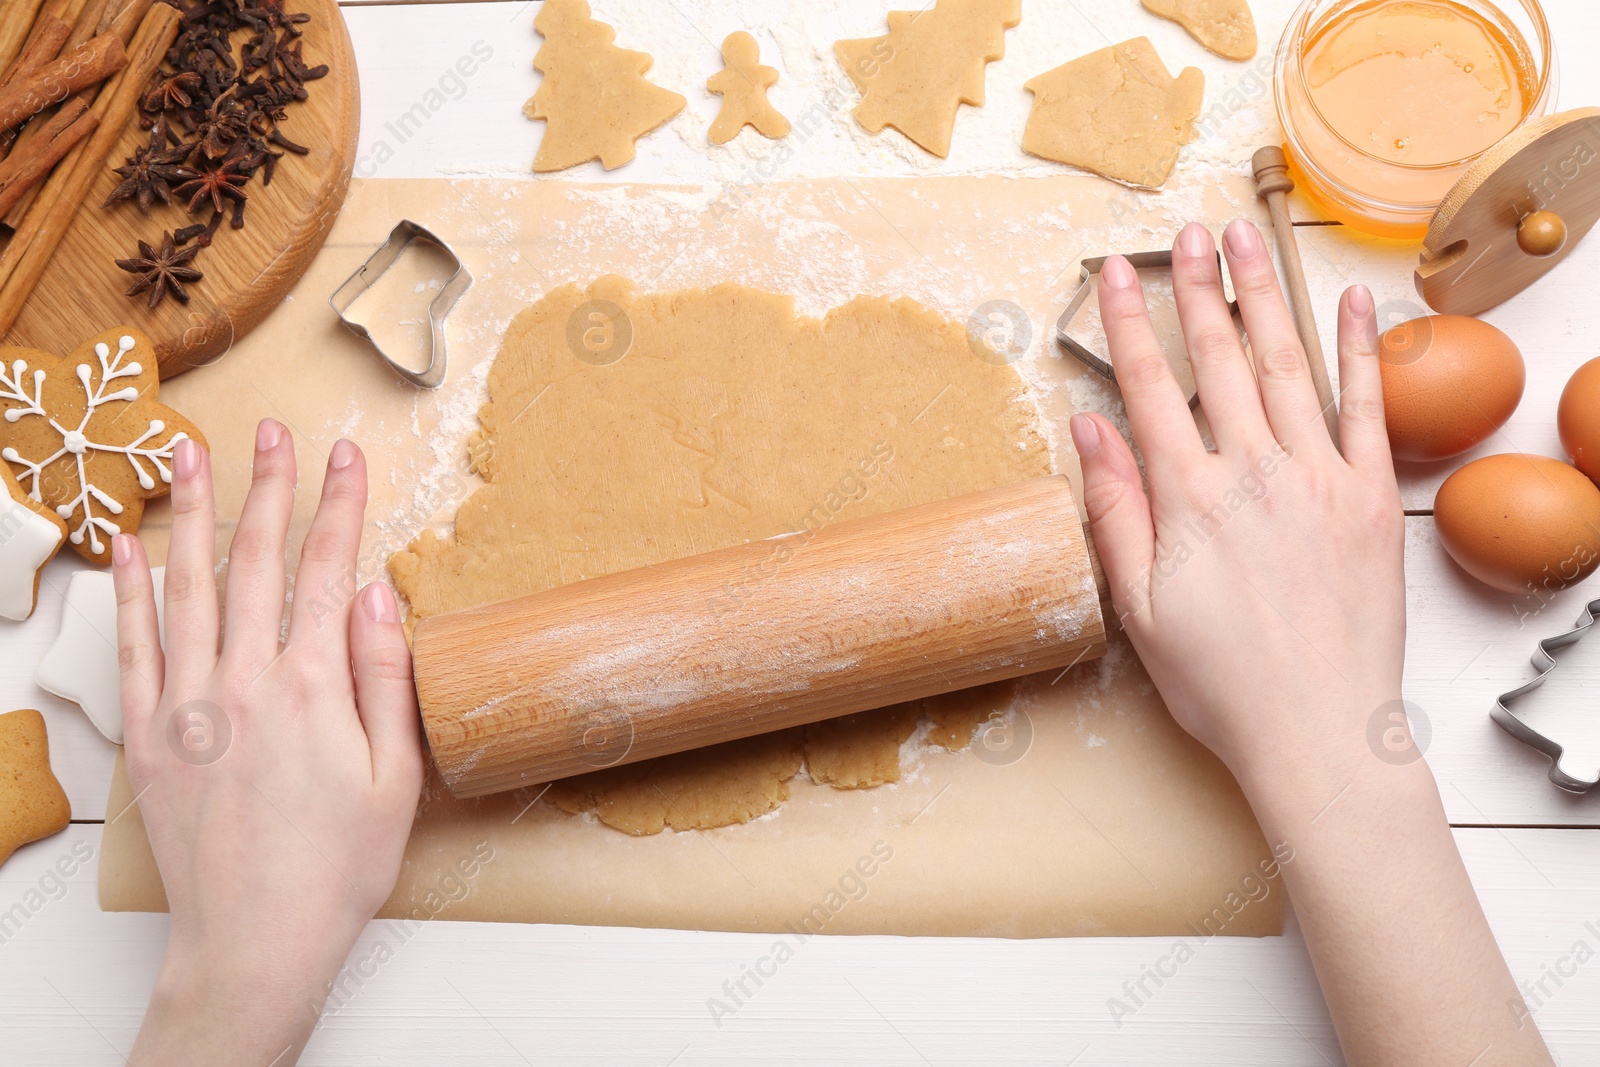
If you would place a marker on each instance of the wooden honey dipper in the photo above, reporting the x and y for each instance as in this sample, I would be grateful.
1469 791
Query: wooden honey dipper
758 637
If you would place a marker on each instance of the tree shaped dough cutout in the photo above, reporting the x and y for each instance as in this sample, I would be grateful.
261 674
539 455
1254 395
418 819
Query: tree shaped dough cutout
743 83
1225 27
84 435
916 77
1116 112
595 100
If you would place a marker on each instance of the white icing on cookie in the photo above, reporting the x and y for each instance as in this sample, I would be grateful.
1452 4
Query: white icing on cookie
82 664
78 442
27 541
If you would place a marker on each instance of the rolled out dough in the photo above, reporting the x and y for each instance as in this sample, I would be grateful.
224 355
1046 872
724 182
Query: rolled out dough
1101 816
626 430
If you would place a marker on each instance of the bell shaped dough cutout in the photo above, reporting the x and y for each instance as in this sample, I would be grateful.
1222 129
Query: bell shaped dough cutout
1116 112
595 100
916 77
32 803
743 83
1225 27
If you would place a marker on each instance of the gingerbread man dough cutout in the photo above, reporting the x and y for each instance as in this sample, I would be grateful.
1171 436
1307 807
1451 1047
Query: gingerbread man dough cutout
84 435
743 83
32 803
595 100
30 536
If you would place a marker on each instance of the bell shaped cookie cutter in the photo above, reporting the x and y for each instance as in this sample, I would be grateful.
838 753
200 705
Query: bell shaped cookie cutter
1545 661
403 236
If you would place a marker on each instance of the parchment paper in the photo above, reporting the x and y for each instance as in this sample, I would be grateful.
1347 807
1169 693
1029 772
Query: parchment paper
1097 816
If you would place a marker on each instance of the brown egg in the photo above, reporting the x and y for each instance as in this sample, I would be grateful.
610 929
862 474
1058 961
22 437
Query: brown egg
1579 419
1449 381
1520 523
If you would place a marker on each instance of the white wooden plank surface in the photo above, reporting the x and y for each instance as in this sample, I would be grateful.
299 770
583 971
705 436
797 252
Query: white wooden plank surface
74 980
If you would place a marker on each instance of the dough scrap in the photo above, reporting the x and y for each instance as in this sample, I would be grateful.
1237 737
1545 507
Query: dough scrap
32 803
955 717
1116 112
594 99
860 751
743 83
622 430
701 790
916 77
1225 27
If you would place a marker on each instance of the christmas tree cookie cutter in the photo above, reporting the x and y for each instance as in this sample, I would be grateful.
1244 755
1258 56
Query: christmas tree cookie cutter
1568 778
402 237
1101 365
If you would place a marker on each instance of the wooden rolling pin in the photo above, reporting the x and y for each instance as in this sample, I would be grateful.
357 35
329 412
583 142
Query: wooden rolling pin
761 636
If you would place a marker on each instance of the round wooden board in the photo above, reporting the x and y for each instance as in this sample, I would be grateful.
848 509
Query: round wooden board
1470 259
247 272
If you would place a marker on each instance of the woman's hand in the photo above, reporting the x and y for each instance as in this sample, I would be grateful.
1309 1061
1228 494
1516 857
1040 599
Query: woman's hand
1263 586
277 778
1261 583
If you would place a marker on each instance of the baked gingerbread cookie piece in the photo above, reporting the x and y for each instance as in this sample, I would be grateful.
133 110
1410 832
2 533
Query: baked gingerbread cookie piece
30 536
743 83
1116 112
595 100
85 436
32 803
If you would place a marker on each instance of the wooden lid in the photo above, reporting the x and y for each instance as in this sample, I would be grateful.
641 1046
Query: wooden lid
1517 213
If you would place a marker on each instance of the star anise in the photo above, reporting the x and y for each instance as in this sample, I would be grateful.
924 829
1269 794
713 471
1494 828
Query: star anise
162 270
222 127
218 185
171 91
152 171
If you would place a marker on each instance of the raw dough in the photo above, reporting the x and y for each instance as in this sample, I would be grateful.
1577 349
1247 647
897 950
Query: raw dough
594 99
861 751
916 77
718 786
1226 27
81 665
32 803
743 83
30 536
625 430
1116 112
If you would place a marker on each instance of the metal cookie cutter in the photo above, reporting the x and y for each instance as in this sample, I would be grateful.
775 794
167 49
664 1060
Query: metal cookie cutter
1544 659
401 238
1093 360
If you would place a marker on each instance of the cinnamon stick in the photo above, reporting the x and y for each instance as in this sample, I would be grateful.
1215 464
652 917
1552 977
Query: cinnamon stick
25 258
42 48
16 22
88 64
31 162
94 17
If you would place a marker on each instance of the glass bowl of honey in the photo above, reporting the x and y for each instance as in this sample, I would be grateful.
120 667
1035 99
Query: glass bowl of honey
1386 103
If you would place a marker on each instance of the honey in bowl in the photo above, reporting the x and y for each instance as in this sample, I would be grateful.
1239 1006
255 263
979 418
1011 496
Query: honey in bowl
1385 103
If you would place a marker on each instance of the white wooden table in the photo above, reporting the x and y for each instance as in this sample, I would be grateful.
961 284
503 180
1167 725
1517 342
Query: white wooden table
74 981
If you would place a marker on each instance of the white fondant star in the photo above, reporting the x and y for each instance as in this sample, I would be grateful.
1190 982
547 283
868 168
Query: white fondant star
28 540
82 664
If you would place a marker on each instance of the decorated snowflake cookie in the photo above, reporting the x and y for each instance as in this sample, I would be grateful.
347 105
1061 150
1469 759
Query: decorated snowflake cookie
84 435
30 536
